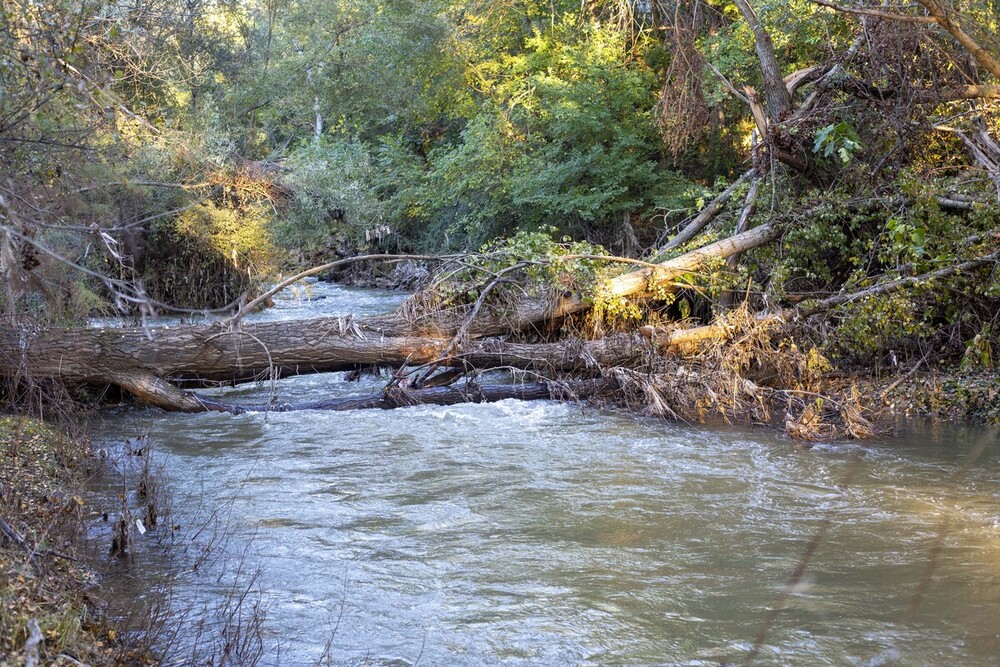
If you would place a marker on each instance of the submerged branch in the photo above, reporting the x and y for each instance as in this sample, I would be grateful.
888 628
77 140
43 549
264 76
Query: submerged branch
403 397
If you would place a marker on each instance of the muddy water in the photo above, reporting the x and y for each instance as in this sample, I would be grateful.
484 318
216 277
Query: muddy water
543 534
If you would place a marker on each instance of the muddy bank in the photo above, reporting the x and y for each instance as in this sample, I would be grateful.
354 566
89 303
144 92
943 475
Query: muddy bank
48 614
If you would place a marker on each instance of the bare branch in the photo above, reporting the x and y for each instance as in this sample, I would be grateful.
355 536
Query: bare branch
906 18
939 14
949 20
707 214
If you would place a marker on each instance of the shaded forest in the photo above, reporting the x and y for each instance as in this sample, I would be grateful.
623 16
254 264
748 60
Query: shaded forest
821 181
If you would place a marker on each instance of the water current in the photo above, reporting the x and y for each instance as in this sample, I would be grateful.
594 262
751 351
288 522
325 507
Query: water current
543 533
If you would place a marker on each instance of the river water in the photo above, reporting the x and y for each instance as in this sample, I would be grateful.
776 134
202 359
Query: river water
545 534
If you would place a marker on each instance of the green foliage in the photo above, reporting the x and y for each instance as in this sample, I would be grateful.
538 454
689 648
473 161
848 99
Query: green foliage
906 238
201 130
871 328
565 265
366 68
547 265
503 272
590 142
818 250
333 198
565 138
837 140
467 186
208 256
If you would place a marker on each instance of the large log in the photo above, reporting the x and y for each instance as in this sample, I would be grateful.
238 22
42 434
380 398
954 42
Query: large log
206 354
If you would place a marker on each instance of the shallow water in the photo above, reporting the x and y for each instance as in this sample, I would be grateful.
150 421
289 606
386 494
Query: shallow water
541 533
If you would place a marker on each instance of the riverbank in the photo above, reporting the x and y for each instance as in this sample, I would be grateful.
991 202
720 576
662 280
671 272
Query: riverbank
944 394
47 614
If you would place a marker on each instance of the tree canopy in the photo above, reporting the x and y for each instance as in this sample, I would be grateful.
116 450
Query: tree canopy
162 155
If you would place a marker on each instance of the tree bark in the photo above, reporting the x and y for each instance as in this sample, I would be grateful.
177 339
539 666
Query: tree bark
140 359
779 101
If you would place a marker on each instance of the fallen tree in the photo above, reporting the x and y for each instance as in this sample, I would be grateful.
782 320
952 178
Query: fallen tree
844 223
153 362
735 366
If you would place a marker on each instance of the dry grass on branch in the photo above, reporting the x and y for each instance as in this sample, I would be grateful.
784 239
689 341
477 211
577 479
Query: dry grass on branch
749 370
750 373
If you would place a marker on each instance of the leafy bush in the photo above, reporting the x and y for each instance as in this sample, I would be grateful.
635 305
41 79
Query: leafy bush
209 256
565 139
333 196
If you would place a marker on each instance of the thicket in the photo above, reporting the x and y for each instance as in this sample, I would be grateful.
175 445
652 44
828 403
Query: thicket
166 156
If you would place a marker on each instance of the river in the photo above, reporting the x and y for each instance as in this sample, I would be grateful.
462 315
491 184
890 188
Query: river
547 534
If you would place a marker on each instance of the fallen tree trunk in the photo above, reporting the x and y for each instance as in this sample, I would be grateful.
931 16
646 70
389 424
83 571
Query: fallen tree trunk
402 397
206 355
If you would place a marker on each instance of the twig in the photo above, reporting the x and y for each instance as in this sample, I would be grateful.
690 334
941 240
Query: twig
707 214
888 390
147 184
822 397
464 329
906 18
727 84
